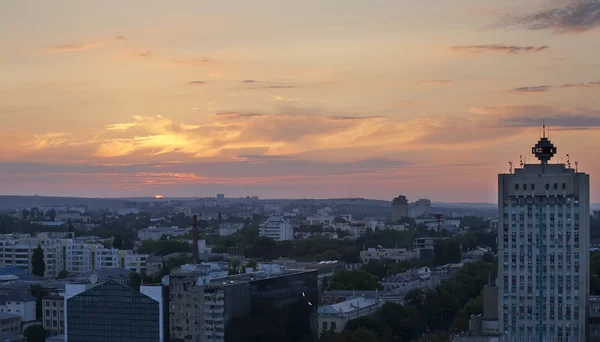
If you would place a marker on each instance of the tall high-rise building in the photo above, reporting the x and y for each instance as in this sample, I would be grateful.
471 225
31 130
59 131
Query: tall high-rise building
543 247
399 208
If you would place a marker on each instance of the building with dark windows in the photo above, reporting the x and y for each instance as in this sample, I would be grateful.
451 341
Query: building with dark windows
113 312
543 249
262 306
186 308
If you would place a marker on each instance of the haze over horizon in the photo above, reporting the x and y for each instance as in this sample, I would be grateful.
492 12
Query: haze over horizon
307 99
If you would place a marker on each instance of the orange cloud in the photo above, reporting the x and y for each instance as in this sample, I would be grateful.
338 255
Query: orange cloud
74 47
47 140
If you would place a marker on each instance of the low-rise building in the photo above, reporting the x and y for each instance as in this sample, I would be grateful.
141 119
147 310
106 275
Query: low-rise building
407 280
18 302
136 262
12 337
154 264
424 247
334 317
229 228
10 323
380 253
320 220
156 233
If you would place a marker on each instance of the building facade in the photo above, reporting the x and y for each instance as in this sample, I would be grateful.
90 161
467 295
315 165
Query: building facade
18 302
229 228
285 301
156 233
276 228
334 317
112 312
594 319
399 208
186 308
10 323
53 315
543 244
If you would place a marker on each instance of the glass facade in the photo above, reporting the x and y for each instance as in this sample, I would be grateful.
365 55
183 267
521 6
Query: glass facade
111 312
283 308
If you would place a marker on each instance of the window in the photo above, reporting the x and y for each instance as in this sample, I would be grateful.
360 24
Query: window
324 325
333 325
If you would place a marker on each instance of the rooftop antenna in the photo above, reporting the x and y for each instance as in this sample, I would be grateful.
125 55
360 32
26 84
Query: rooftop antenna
568 161
544 128
510 170
521 161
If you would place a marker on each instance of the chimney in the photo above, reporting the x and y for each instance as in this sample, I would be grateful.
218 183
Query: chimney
195 237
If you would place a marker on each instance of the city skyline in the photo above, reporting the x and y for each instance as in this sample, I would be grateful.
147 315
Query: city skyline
294 100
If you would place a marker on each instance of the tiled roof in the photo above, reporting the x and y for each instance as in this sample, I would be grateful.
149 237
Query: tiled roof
348 306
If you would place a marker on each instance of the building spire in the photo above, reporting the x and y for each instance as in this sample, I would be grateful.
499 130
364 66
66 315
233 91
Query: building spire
543 128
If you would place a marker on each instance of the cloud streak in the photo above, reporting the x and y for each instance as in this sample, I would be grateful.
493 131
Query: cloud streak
545 88
577 17
498 48
430 82
536 89
74 47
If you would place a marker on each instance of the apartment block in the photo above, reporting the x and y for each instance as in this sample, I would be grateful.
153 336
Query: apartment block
53 315
277 228
543 248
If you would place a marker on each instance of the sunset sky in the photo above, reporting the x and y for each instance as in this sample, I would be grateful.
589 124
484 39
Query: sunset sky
289 99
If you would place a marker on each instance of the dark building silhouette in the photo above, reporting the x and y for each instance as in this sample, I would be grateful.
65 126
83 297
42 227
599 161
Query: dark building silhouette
113 312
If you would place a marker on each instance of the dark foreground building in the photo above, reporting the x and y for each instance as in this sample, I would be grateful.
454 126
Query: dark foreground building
262 307
113 312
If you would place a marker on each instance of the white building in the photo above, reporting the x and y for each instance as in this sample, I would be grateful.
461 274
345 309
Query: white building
136 262
18 253
334 317
64 254
106 258
18 302
543 248
276 228
229 228
156 233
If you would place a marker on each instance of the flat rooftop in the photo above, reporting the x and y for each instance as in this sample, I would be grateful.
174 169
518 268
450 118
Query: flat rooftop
248 277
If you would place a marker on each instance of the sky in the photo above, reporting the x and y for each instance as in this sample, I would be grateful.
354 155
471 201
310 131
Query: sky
293 99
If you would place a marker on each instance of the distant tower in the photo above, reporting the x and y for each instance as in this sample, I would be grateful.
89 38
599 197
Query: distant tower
543 248
399 208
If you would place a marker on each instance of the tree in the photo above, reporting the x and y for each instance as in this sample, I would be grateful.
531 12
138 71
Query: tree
62 274
25 214
51 214
35 333
354 280
118 241
135 281
38 292
37 262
